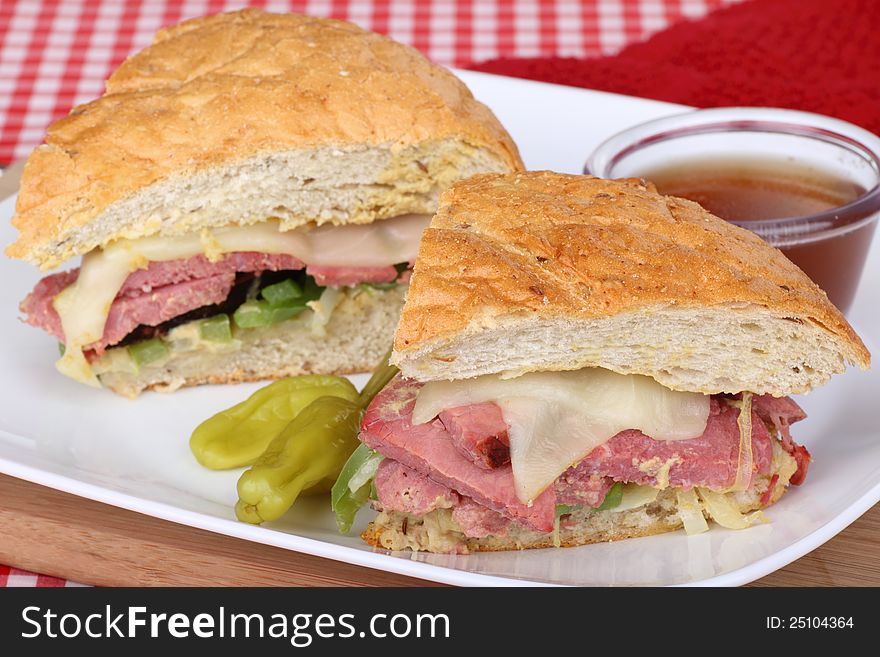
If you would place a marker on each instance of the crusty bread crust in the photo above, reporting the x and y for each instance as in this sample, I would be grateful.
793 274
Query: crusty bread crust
226 89
541 271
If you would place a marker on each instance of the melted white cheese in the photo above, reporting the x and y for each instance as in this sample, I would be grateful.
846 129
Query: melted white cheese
83 307
556 418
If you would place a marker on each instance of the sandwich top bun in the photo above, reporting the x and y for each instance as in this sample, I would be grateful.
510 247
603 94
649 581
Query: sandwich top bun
237 117
545 271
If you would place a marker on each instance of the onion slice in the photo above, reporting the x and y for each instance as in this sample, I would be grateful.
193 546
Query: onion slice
690 512
323 308
725 512
745 460
635 496
365 473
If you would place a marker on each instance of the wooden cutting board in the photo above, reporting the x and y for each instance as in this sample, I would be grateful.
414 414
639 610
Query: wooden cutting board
45 531
53 533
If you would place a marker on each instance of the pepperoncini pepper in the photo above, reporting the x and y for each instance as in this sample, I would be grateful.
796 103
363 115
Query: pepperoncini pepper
238 436
310 450
309 454
298 433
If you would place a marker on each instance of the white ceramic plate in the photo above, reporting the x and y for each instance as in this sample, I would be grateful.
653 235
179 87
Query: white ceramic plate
134 454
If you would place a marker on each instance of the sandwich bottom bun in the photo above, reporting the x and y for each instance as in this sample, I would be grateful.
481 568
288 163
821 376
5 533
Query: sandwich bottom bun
437 531
354 339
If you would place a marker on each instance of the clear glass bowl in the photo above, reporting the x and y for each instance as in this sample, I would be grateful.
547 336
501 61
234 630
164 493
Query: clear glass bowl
829 246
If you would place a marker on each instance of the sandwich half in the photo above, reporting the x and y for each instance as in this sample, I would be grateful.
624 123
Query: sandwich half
587 360
247 198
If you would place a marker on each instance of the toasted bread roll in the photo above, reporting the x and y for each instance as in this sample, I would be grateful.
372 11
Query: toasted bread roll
543 271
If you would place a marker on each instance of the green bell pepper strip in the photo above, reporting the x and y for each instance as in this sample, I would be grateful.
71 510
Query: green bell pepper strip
311 449
260 313
378 286
148 351
216 329
282 293
252 314
612 497
311 291
345 502
238 436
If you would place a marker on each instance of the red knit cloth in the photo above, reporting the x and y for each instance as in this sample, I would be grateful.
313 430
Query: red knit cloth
817 55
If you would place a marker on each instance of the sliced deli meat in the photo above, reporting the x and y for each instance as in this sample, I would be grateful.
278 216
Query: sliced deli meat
37 306
133 309
578 488
479 521
427 448
479 432
162 304
782 412
403 489
350 276
167 289
708 461
557 418
162 291
169 272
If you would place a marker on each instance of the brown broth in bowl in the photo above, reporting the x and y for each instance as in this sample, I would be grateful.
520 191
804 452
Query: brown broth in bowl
755 190
741 191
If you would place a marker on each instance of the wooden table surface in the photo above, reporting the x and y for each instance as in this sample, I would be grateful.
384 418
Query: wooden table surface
53 533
